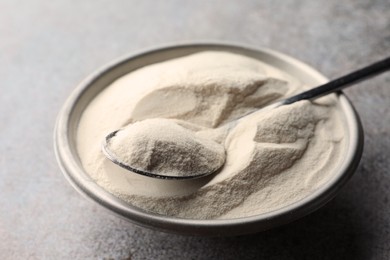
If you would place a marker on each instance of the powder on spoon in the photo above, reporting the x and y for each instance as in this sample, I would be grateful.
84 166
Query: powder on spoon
161 146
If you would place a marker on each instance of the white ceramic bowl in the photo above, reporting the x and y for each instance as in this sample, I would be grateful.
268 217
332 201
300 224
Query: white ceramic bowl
67 156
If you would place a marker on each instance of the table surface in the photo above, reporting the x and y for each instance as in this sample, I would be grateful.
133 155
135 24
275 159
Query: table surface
47 47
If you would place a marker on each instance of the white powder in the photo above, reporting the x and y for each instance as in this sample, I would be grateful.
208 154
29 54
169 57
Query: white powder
273 158
163 147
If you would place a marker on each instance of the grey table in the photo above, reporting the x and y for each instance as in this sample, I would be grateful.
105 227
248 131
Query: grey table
47 47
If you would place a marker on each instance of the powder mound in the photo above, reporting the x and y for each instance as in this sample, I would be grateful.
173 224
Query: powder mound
207 89
287 124
162 146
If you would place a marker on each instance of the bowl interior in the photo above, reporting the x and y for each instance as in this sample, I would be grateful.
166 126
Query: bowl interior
66 130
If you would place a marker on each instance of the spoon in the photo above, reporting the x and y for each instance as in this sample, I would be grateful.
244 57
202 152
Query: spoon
322 90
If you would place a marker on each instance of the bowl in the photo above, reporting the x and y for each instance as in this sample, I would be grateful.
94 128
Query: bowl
69 161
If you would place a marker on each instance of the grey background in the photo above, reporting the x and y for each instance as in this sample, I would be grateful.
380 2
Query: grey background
47 47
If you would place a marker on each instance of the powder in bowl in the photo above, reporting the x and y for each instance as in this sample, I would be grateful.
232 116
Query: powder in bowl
273 159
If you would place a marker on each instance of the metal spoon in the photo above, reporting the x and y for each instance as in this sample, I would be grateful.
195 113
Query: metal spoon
322 90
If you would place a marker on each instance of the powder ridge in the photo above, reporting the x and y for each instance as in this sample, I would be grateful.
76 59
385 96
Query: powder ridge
273 158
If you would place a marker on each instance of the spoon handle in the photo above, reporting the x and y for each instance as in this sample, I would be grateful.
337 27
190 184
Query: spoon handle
342 82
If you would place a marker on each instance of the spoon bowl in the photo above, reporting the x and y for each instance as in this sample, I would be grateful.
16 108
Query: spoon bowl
110 155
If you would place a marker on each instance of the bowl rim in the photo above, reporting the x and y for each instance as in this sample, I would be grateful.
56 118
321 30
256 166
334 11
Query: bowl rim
80 180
